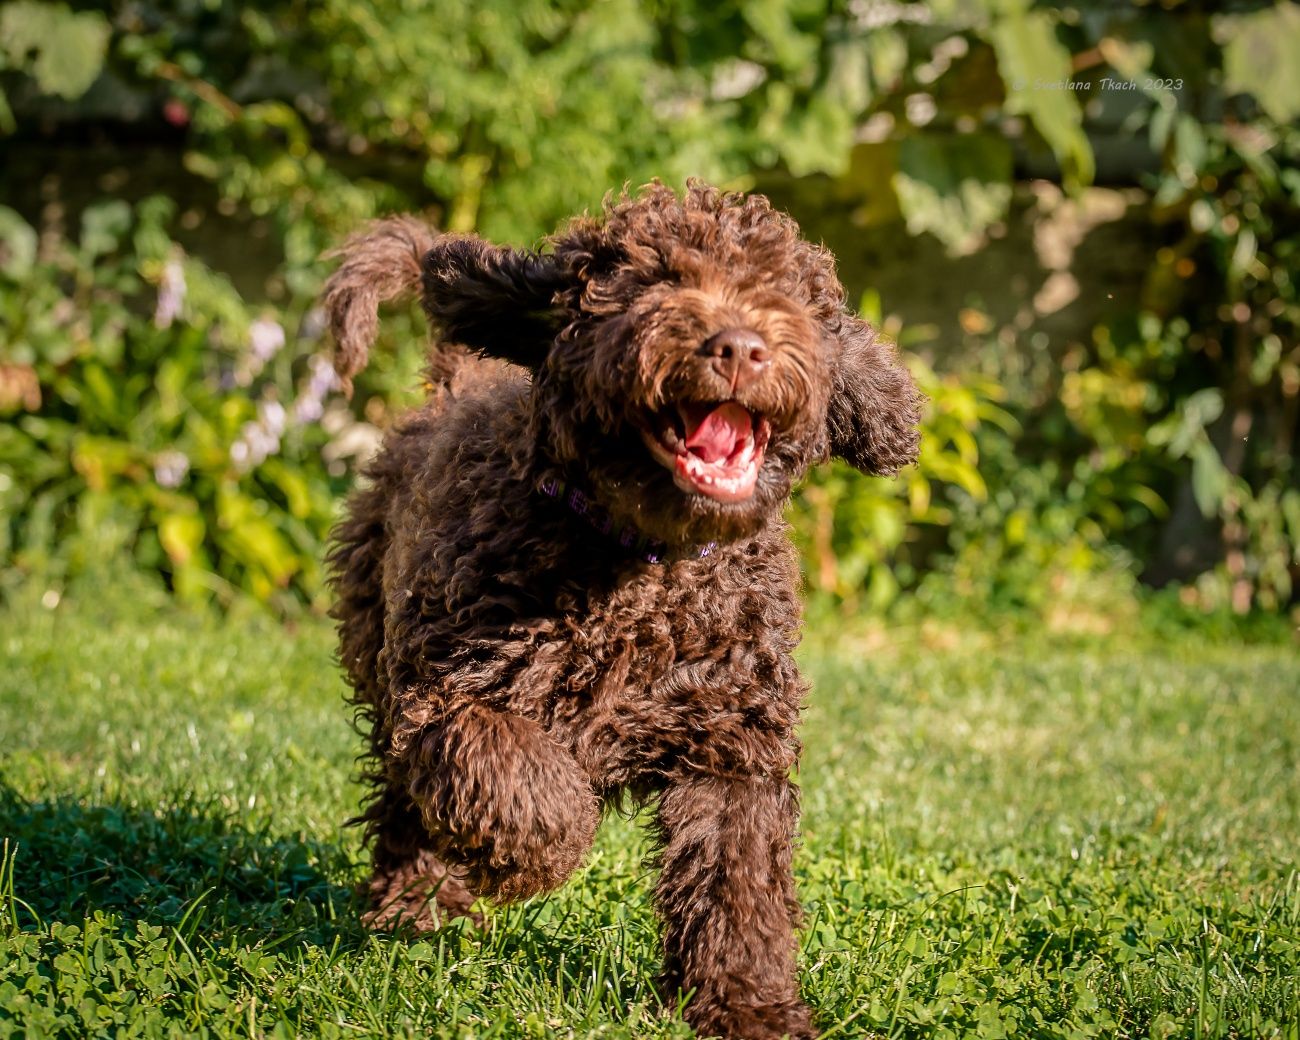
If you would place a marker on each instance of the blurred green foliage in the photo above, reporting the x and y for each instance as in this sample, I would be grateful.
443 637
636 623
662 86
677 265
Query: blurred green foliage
856 531
135 432
507 117
1174 426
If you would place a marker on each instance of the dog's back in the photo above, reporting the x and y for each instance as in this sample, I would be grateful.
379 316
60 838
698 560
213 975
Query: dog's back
382 264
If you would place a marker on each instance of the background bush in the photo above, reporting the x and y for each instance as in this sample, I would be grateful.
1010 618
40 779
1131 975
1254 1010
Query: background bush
160 375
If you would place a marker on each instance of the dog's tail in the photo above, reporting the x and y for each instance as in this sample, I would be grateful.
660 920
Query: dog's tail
381 263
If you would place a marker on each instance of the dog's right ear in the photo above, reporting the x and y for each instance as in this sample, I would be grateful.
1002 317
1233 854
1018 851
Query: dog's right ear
497 301
875 407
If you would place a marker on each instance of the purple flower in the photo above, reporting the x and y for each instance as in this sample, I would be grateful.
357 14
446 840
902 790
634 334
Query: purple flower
323 376
270 416
265 338
259 439
307 410
321 379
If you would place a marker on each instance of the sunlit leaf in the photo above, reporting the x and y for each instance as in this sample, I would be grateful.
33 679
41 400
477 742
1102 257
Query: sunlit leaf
65 49
103 225
1259 58
17 244
181 535
1210 480
1037 70
953 186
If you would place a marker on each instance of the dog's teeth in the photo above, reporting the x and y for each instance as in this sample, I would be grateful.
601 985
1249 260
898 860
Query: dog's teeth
728 479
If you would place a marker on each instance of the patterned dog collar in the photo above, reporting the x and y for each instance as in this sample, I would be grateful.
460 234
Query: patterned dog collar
630 537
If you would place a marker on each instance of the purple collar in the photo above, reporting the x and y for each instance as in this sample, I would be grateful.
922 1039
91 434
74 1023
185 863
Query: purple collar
630 537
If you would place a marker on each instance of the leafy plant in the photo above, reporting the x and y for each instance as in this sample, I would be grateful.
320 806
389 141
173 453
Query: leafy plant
152 416
864 538
62 50
1173 430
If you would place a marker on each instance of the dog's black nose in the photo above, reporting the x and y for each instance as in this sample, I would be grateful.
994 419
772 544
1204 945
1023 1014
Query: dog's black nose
738 355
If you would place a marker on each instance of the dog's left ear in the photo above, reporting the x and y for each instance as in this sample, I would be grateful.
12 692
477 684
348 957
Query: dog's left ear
497 301
874 407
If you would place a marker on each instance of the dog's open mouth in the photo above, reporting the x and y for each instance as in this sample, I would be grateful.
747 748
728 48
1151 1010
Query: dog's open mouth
713 449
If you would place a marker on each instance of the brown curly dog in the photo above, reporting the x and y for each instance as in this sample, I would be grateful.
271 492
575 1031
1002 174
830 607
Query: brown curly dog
567 579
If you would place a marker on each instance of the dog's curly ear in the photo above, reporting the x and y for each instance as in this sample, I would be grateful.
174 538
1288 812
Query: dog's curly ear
380 263
875 407
497 301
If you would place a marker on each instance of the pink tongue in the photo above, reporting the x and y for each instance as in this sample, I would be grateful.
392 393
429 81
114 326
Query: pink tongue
719 432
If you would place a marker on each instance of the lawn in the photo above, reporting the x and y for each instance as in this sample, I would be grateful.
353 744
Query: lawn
1002 836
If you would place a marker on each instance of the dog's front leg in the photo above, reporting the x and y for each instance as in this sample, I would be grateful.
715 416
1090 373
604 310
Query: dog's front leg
502 800
727 899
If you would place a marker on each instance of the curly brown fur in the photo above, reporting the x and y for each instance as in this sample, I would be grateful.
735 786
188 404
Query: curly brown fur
683 361
379 264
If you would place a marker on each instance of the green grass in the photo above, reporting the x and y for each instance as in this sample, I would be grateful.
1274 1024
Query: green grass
1023 838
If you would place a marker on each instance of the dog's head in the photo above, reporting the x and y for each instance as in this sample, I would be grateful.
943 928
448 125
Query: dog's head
691 357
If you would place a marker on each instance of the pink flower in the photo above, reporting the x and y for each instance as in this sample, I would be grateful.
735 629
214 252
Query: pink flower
170 467
171 295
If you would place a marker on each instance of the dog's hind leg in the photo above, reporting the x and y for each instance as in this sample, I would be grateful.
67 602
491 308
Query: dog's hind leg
502 801
410 885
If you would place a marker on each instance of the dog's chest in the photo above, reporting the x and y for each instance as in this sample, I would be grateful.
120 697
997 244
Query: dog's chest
694 657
